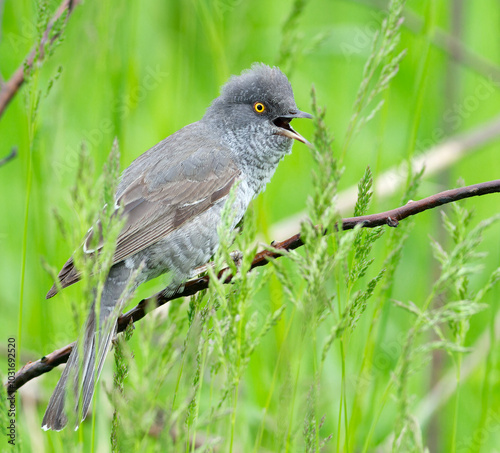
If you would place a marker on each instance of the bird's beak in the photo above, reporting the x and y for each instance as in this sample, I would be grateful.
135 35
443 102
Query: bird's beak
283 123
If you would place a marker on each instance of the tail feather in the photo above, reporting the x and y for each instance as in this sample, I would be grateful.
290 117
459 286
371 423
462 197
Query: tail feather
92 371
87 370
54 417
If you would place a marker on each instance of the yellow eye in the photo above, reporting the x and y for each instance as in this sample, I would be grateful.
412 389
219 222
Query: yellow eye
259 107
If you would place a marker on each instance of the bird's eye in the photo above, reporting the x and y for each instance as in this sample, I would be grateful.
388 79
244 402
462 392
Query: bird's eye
259 107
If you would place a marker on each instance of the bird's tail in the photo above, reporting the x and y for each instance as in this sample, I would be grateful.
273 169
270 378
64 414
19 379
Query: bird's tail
94 346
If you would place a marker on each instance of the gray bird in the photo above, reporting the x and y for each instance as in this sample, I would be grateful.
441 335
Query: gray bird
172 197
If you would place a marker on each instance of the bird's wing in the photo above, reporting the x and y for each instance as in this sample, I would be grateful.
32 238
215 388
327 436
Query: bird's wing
152 214
163 197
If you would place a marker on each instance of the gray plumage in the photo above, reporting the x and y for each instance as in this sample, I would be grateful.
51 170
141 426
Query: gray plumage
172 198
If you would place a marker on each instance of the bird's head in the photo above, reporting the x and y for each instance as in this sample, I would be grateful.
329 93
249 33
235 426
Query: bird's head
259 101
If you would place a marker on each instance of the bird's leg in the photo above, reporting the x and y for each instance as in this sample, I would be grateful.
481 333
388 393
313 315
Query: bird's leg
236 256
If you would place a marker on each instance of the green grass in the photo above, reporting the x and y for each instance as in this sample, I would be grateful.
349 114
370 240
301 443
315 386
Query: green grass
337 347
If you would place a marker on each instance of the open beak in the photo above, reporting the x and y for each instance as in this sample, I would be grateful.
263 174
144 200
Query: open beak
283 123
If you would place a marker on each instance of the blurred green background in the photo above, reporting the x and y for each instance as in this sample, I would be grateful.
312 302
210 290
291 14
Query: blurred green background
140 70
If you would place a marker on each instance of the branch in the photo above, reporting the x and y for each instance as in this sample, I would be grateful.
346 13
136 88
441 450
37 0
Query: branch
11 87
391 218
437 158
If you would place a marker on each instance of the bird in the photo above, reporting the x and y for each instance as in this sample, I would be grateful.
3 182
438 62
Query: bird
171 200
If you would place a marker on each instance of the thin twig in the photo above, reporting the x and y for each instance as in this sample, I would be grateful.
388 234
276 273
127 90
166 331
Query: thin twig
391 218
11 87
9 157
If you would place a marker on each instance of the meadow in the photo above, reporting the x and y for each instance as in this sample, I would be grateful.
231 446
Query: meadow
367 340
